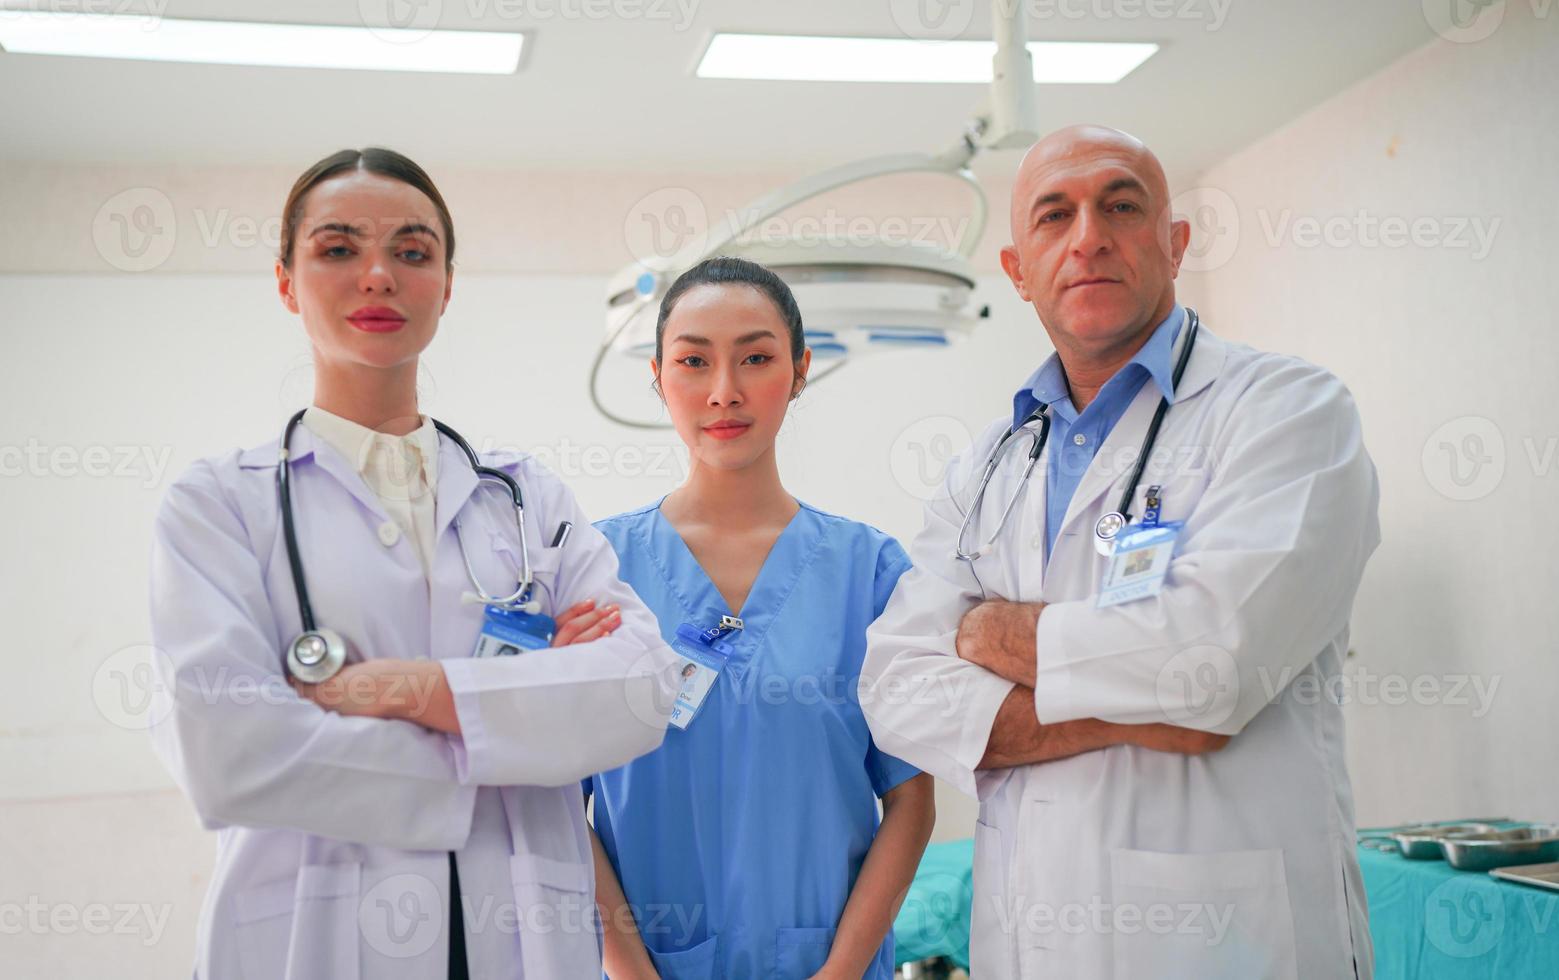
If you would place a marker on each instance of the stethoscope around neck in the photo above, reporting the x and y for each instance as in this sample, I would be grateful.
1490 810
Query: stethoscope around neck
1111 524
318 653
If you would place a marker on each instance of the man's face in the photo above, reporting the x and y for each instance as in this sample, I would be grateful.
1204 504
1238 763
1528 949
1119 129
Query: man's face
1094 249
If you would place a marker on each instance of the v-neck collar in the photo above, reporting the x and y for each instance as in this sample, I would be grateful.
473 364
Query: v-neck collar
788 559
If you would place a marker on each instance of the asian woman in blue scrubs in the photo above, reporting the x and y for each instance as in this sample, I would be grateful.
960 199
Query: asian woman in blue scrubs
748 844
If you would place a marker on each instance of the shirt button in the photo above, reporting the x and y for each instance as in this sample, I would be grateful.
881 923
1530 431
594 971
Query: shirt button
389 533
1080 439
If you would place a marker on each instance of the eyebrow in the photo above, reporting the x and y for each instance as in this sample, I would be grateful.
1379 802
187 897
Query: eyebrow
746 338
1118 184
414 228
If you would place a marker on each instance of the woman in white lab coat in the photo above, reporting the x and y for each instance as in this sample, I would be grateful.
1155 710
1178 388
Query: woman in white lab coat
352 813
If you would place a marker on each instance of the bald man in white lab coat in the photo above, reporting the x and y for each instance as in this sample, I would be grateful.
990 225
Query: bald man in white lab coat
1161 781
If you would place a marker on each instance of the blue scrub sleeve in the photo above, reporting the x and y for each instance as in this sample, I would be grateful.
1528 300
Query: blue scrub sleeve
887 771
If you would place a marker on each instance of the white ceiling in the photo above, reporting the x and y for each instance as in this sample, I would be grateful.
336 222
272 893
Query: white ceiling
618 94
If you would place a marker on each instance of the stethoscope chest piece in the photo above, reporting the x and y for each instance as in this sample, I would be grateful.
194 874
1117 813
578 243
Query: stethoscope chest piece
316 655
1105 530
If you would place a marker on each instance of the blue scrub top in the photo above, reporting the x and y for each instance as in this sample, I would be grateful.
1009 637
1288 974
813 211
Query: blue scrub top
738 840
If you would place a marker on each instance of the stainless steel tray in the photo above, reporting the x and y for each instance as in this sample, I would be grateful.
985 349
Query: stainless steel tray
1536 844
1540 875
1424 844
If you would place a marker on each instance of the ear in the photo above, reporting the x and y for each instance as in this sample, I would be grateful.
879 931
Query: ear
284 287
803 367
449 288
655 379
1179 241
1012 266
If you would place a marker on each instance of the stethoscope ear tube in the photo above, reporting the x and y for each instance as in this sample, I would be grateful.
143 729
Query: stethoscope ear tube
289 534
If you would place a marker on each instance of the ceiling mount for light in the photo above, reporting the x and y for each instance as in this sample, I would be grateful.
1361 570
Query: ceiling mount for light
858 297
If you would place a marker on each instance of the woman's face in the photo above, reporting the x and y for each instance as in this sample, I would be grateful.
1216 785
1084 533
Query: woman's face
367 271
728 376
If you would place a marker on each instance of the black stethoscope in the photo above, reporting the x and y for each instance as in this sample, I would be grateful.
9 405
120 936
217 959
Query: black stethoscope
1111 524
317 653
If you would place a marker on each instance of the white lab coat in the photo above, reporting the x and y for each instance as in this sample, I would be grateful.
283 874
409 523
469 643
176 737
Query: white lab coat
1124 862
333 830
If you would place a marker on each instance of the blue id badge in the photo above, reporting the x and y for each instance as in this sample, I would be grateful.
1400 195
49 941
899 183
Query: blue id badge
1140 560
698 669
507 632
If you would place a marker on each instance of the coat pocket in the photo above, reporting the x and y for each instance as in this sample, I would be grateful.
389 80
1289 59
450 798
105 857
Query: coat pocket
694 963
560 933
800 952
302 928
992 946
1205 916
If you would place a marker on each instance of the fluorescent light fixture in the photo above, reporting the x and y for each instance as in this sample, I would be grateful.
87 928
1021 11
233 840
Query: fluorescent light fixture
227 42
795 58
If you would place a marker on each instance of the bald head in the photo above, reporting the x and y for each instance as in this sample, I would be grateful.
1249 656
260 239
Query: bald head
1094 248
1077 147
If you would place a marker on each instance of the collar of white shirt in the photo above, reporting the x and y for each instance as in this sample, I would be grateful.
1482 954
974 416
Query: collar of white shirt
368 450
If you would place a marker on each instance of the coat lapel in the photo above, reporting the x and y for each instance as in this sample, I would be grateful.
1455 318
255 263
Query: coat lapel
456 482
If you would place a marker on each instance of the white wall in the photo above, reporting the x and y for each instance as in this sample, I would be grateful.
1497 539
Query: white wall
1442 342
